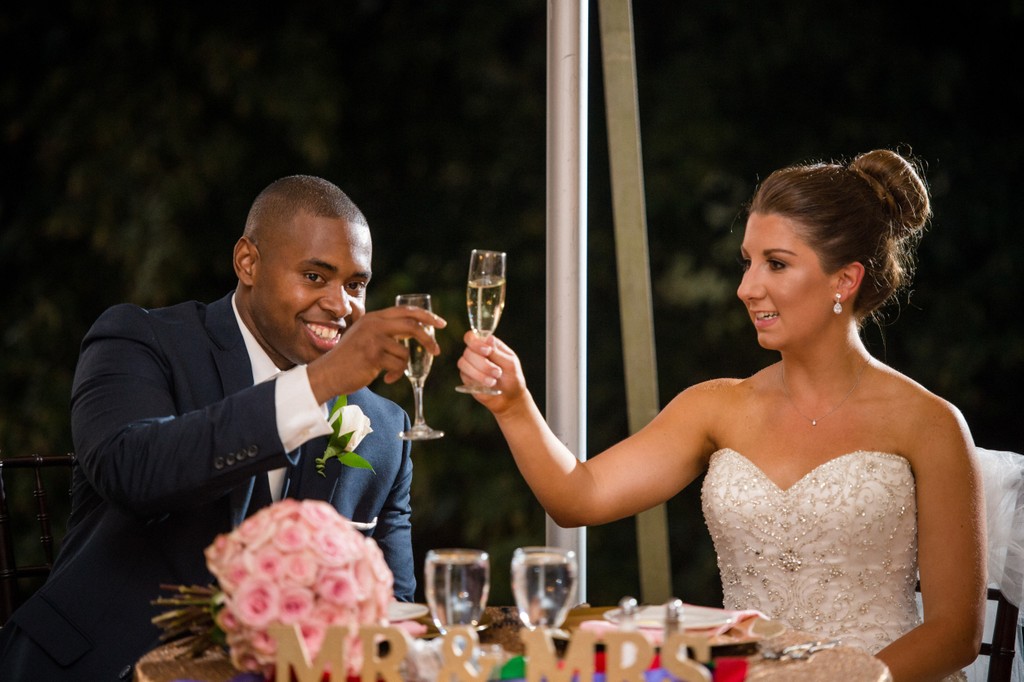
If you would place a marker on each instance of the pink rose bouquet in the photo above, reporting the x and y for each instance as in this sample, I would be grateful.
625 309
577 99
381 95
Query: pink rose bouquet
294 562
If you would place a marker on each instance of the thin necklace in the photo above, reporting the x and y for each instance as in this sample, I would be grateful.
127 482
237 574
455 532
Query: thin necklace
814 422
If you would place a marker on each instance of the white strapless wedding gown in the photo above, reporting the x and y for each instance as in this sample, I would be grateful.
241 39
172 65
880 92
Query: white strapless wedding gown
835 554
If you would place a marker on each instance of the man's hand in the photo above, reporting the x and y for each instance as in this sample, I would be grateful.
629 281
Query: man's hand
373 344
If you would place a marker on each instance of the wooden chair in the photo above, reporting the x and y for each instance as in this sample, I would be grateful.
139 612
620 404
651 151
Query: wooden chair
17 581
1000 650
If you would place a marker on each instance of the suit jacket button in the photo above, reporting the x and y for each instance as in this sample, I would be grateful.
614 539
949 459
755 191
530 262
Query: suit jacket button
126 673
218 463
252 450
230 459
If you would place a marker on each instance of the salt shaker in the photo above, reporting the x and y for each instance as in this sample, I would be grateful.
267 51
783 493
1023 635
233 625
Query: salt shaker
673 617
627 613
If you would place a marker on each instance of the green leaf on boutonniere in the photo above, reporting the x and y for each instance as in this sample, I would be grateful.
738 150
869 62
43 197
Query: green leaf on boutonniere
336 446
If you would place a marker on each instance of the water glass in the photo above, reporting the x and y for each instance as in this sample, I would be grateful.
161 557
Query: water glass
544 585
457 583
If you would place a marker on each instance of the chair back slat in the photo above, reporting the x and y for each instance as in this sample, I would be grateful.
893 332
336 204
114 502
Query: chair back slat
1000 650
43 516
13 574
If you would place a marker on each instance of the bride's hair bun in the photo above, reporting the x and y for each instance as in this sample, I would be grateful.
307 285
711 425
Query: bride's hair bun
872 211
899 186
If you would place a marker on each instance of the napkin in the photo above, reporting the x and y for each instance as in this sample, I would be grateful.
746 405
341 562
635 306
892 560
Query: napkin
413 627
739 626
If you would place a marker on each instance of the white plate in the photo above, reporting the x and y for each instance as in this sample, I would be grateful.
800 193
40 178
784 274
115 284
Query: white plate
401 610
693 617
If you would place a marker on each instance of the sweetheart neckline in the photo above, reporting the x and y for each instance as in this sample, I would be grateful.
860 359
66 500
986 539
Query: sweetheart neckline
807 475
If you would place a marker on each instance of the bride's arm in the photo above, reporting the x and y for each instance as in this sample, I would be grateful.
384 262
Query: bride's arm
951 549
631 476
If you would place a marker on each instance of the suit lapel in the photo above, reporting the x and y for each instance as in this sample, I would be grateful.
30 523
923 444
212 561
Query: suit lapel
303 480
229 349
235 371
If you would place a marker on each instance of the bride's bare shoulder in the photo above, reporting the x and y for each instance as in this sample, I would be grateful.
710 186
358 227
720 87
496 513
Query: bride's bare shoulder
921 411
726 389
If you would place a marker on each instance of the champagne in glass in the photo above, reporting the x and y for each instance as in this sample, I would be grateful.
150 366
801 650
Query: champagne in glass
485 300
457 583
417 370
420 361
544 585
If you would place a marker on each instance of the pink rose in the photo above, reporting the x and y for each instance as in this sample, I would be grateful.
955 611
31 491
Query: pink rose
300 568
263 645
296 604
225 550
265 562
256 603
233 575
313 633
293 536
339 587
215 552
318 514
226 620
257 529
336 548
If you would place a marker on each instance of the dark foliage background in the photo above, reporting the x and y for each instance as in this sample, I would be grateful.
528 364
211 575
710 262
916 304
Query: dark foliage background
134 136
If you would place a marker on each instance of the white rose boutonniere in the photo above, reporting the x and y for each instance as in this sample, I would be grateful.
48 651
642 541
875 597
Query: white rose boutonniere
350 427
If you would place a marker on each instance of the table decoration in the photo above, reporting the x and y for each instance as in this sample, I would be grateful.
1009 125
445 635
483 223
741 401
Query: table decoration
424 659
296 564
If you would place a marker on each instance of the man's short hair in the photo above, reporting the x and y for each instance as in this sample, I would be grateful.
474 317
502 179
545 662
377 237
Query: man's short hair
286 197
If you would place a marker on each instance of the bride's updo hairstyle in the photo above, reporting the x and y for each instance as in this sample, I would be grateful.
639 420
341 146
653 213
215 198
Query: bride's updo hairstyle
872 210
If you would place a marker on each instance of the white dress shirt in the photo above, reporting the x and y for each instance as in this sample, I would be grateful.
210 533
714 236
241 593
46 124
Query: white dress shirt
299 417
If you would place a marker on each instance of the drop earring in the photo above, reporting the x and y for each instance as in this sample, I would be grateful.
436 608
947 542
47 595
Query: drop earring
838 307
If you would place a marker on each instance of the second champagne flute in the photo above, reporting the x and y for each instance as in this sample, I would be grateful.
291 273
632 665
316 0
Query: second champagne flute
485 299
417 370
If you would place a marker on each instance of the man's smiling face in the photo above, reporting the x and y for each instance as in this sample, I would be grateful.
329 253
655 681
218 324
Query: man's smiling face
302 283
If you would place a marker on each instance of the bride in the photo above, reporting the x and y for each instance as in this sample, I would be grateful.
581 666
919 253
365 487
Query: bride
833 481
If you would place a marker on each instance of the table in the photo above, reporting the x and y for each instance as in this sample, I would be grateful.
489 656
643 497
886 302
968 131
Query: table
841 663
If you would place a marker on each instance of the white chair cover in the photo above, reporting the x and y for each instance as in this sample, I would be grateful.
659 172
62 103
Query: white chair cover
1003 478
1002 475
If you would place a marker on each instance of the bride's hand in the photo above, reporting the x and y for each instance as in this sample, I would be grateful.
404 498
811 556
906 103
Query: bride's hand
490 362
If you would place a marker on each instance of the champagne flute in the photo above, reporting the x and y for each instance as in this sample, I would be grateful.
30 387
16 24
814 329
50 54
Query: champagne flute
544 585
485 299
457 583
417 370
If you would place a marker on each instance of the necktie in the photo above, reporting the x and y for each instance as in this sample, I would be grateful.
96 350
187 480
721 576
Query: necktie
260 494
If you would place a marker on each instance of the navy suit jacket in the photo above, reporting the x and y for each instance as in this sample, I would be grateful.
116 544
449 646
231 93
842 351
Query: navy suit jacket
169 432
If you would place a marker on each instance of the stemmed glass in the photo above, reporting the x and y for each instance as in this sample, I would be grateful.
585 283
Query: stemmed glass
457 584
544 585
417 370
485 299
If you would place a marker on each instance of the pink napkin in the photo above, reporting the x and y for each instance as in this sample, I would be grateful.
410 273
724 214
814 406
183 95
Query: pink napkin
741 622
413 627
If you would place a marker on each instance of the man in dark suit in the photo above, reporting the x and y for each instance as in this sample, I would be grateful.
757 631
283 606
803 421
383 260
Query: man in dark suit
187 418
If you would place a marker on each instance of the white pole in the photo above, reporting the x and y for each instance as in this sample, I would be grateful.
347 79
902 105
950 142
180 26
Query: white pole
567 244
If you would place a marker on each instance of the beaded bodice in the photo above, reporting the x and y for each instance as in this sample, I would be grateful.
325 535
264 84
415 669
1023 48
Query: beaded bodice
835 554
